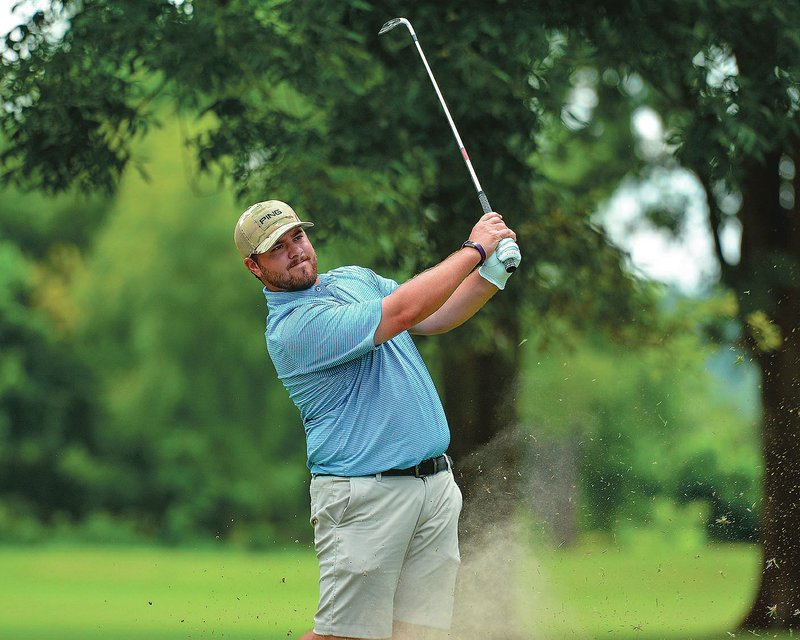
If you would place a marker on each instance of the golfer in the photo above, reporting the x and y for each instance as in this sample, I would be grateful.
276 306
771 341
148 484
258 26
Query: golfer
384 504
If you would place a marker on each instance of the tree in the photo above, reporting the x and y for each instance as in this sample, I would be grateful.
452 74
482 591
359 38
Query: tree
45 390
172 325
724 75
306 103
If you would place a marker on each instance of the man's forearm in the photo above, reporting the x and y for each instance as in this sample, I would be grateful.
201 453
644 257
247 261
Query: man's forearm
466 301
414 301
417 299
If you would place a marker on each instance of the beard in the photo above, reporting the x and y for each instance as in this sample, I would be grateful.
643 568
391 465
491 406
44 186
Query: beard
297 277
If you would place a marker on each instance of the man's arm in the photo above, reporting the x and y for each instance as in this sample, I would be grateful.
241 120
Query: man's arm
419 298
466 301
473 293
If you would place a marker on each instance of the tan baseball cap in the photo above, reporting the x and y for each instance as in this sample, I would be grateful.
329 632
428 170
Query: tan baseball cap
262 224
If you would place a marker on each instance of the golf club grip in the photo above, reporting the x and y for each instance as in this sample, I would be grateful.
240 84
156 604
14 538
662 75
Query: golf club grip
510 264
487 208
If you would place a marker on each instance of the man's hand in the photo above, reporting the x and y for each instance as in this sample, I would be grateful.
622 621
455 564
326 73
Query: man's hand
494 270
490 230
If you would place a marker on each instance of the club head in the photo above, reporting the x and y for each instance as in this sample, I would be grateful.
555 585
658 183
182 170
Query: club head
391 24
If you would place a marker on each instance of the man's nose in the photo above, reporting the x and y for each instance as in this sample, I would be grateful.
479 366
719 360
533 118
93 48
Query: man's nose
295 250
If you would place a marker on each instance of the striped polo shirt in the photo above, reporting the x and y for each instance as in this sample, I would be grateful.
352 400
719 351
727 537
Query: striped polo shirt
365 409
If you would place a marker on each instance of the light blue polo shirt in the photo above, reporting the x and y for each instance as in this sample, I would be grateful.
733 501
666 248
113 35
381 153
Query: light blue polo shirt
365 409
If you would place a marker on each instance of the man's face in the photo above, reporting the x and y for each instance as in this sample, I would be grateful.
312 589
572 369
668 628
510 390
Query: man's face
290 265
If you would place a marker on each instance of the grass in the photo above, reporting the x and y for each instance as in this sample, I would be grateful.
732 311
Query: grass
646 592
88 593
154 594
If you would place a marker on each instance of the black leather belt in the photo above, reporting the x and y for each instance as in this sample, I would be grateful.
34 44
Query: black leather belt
425 468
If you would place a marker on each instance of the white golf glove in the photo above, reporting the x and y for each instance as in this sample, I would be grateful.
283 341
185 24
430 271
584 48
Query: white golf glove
493 269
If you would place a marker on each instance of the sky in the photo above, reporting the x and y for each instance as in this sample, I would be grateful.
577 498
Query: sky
7 19
686 262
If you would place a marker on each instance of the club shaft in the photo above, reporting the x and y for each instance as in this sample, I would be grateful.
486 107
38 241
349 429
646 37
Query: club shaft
461 147
509 263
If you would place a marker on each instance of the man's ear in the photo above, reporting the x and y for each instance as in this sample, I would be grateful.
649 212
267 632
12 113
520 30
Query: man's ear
253 267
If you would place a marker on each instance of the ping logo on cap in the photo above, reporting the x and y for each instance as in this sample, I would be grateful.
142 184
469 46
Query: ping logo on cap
272 214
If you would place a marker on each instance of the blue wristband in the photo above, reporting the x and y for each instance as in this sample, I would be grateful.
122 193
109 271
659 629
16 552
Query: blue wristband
475 245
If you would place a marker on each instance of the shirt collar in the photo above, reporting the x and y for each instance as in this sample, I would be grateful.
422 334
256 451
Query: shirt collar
276 298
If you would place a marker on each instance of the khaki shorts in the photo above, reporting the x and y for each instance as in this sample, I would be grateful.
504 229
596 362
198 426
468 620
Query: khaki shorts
387 550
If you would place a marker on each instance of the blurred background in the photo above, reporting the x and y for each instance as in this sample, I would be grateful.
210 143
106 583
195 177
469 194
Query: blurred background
634 388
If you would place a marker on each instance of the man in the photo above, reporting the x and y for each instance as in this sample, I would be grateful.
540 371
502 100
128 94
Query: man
384 505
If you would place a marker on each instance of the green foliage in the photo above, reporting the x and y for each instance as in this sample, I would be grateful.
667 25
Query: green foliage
44 400
303 100
724 78
137 401
652 424
198 437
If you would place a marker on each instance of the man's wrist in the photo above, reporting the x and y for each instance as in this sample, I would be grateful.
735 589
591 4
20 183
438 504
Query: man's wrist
477 247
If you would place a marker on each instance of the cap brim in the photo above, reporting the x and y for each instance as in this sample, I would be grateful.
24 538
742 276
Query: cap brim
267 244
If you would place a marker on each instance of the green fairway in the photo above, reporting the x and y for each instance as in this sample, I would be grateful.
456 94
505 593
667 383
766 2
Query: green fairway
154 594
644 593
78 593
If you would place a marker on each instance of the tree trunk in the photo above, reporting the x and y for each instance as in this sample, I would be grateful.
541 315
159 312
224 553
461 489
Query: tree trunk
479 394
771 251
777 603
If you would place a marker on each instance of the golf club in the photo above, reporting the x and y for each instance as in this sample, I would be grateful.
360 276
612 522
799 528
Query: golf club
511 263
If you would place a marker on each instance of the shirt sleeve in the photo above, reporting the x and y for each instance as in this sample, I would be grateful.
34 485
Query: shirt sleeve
327 334
385 285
